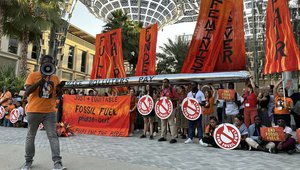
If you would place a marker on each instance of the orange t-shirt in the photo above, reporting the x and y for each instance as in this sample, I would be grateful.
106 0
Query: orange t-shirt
6 95
279 108
43 99
210 110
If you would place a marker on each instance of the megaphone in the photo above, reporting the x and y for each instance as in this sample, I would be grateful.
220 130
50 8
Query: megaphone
47 69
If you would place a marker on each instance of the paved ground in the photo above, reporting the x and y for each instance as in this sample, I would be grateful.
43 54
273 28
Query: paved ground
86 152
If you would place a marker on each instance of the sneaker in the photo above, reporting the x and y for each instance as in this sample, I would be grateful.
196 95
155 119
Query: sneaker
151 137
202 143
26 166
58 166
162 139
143 136
189 140
154 134
173 141
250 148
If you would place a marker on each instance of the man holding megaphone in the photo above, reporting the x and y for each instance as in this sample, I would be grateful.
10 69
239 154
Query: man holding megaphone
42 87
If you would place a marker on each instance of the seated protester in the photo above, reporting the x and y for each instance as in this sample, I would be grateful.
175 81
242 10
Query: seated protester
254 139
208 139
289 143
239 123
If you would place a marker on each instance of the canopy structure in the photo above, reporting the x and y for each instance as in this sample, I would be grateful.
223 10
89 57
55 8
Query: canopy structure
164 12
175 79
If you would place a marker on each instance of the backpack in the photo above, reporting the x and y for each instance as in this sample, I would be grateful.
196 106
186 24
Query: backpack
296 108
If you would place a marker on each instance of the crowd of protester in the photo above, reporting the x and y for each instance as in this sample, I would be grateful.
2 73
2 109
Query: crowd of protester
255 108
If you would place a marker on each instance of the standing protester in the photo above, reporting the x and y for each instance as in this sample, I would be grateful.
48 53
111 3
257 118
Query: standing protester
283 105
42 91
148 120
133 103
232 106
199 96
296 110
220 108
263 99
181 121
250 104
208 108
169 92
5 101
271 104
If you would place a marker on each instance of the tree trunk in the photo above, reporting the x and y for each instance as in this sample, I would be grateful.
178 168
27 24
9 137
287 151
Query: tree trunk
1 27
24 51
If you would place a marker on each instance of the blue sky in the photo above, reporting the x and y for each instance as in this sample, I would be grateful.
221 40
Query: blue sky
83 19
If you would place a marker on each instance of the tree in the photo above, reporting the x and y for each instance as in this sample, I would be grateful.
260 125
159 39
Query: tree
9 79
173 56
27 20
4 4
130 34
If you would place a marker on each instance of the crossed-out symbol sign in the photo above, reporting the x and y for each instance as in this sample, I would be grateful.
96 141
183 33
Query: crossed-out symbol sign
227 136
191 108
2 112
163 108
145 105
14 115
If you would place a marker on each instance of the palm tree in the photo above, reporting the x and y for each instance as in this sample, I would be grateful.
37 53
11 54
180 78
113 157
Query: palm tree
4 4
27 21
130 34
177 50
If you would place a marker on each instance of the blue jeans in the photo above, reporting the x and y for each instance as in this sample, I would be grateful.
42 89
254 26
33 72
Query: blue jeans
49 122
199 128
7 123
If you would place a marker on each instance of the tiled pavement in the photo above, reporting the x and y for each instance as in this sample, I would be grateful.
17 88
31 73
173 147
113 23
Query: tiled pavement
155 154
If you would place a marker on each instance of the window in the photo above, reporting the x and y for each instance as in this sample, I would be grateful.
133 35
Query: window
34 52
13 45
71 57
83 61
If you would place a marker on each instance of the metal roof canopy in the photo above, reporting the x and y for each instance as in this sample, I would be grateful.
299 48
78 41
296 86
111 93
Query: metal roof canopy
175 79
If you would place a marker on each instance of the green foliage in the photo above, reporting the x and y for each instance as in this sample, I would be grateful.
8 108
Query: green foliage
172 58
30 16
130 34
9 79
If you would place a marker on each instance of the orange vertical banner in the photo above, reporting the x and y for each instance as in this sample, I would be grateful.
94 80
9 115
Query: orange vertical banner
208 35
114 50
105 116
232 56
101 60
282 53
147 51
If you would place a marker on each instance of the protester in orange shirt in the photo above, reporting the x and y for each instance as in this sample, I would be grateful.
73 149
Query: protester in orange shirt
42 91
5 97
208 139
283 105
208 109
133 110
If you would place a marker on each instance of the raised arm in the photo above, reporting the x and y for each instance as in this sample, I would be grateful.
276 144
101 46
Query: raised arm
276 87
253 86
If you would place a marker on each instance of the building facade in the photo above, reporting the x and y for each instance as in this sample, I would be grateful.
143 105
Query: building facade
74 59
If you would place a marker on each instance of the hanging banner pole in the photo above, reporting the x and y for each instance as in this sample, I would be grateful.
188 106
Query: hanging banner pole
201 78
